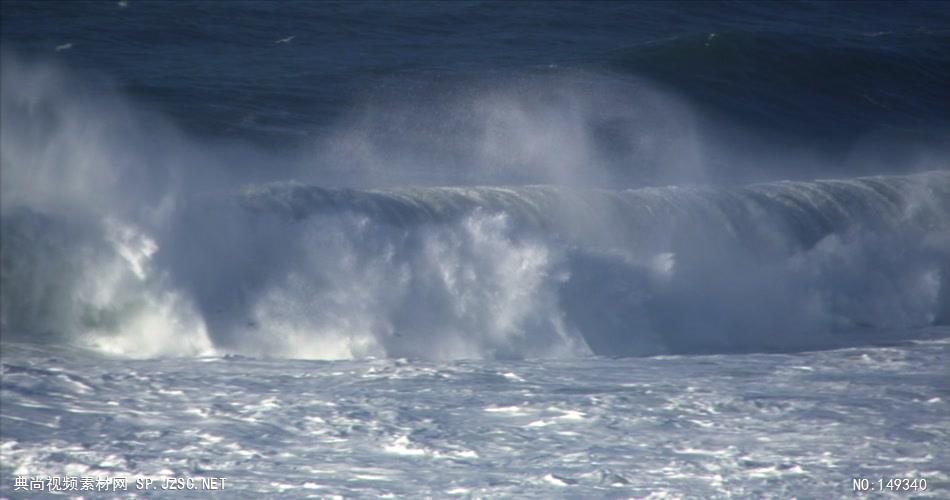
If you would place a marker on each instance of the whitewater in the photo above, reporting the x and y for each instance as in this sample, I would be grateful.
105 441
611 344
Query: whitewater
553 281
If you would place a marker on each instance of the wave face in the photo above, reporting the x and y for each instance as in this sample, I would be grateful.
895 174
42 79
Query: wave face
293 270
537 271
122 233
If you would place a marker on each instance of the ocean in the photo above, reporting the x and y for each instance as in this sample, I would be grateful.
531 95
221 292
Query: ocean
474 249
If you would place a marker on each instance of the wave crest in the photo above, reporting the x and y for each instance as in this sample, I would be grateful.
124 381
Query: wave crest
119 233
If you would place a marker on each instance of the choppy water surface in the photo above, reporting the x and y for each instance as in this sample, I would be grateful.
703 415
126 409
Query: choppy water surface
755 425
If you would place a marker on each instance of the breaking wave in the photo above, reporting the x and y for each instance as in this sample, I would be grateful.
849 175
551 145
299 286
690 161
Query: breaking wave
121 234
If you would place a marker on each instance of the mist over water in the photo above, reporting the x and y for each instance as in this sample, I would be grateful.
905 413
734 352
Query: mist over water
545 126
542 214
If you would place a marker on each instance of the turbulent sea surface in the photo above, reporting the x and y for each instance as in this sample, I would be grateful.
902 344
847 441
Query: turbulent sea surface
476 249
765 425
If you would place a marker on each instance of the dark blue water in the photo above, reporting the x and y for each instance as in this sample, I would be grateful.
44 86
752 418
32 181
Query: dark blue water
866 84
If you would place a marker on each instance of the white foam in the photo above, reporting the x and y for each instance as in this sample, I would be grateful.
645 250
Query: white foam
402 446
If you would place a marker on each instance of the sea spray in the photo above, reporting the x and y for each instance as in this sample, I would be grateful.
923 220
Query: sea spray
123 234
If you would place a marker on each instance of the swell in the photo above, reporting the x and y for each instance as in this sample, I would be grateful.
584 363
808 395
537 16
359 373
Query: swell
831 88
